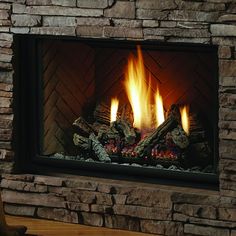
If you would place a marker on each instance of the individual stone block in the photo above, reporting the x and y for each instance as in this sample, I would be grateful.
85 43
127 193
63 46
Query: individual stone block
19 210
89 31
201 6
50 180
121 10
5 23
162 227
119 199
177 32
208 212
20 30
122 222
60 11
142 212
67 3
179 15
228 214
19 177
127 23
188 40
227 18
227 68
5 6
150 198
25 20
228 81
205 231
156 4
70 31
5 102
123 32
57 214
18 8
6 77
81 184
92 219
6 87
91 21
4 14
103 198
92 4
151 14
223 30
81 196
37 199
59 21
150 23
224 52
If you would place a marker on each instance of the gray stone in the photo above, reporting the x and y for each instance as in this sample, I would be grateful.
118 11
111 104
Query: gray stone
156 4
180 15
4 14
122 222
68 3
228 81
150 23
5 6
223 30
226 41
59 21
177 32
19 210
20 30
127 23
92 219
81 196
18 8
25 20
5 23
205 231
123 32
103 198
5 58
89 31
151 14
167 24
202 6
92 3
227 18
6 77
91 21
189 40
5 102
57 214
121 10
60 11
37 199
70 31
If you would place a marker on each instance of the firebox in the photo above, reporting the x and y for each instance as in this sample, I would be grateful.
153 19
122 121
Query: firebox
128 108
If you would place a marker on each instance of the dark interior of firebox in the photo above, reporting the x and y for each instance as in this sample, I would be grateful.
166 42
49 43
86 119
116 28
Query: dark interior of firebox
80 79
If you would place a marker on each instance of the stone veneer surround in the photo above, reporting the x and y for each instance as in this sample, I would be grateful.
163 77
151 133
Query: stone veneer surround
147 208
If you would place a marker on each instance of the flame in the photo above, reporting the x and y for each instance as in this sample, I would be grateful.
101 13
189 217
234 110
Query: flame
159 109
114 109
185 118
138 91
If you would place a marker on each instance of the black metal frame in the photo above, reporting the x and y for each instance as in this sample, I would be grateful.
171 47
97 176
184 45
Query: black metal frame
28 117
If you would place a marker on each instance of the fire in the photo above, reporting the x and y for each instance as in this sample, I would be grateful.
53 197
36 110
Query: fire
185 118
114 109
138 91
159 109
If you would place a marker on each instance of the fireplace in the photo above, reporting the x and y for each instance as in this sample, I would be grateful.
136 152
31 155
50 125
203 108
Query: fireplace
140 108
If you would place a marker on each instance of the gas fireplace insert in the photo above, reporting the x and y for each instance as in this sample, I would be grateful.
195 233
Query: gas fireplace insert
144 109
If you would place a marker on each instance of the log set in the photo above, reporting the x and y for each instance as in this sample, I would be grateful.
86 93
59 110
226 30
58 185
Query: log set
119 140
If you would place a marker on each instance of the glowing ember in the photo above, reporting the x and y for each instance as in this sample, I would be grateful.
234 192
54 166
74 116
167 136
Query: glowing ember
159 109
138 91
185 118
114 109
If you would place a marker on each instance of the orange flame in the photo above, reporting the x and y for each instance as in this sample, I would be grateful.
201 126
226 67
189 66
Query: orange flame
114 109
138 91
185 118
160 118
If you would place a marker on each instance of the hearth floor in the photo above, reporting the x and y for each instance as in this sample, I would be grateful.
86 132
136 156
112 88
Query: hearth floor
38 227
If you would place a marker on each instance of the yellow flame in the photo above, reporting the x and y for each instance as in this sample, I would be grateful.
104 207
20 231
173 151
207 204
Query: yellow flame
114 109
138 91
185 118
160 118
